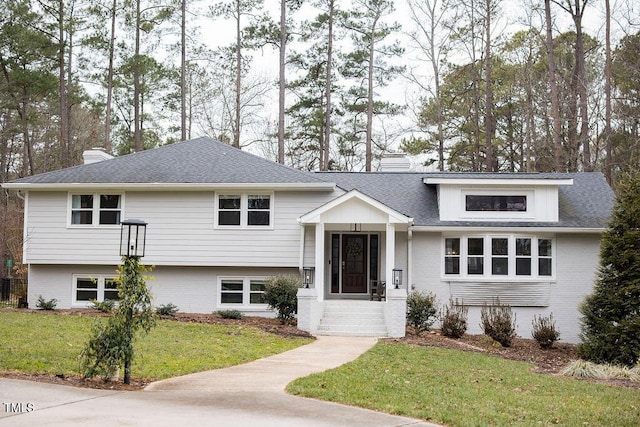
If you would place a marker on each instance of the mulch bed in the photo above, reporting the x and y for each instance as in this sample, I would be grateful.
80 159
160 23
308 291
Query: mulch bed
546 361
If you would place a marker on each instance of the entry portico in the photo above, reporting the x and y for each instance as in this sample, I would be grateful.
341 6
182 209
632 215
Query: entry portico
352 243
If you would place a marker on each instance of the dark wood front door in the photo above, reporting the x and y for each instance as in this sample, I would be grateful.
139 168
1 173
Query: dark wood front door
354 263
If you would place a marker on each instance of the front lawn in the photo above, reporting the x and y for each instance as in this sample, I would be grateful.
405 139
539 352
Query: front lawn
459 388
42 343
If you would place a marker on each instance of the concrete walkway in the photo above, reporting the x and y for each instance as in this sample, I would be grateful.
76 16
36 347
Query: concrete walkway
249 395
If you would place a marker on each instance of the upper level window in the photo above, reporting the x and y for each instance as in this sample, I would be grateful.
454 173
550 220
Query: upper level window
503 256
101 209
480 203
244 210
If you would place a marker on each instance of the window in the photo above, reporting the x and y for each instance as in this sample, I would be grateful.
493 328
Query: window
244 210
242 291
506 257
229 210
452 256
101 209
88 288
479 203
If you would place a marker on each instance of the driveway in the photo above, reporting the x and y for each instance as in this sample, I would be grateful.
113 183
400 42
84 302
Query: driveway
246 395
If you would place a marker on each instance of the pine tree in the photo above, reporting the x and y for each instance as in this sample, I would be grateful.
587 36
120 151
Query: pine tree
611 322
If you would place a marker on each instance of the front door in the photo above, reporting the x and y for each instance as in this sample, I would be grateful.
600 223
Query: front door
354 263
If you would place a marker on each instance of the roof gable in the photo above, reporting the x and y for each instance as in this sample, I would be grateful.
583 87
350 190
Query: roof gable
357 207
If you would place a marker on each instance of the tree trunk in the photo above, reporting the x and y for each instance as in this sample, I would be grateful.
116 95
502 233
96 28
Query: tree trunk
112 40
369 141
607 89
183 71
582 86
324 161
489 93
62 92
236 130
553 88
137 131
282 78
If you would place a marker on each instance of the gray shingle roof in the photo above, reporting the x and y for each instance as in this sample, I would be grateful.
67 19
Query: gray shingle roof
585 204
198 161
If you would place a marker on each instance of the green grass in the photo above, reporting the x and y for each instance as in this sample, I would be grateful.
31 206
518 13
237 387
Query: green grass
47 343
468 389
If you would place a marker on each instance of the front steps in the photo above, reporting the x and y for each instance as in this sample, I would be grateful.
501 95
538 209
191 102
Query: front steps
353 318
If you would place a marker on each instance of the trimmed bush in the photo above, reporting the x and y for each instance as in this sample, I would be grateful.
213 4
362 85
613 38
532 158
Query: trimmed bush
421 311
281 293
42 304
230 314
453 319
106 306
544 331
498 322
169 309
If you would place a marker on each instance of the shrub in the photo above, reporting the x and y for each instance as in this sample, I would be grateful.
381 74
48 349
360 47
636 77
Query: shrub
544 331
281 293
46 305
453 319
169 309
230 314
421 311
106 306
498 322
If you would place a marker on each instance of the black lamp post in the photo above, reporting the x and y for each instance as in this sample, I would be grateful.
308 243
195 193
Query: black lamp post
308 276
133 235
397 277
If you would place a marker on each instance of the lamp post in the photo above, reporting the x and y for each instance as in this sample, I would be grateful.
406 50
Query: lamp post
397 277
133 235
308 273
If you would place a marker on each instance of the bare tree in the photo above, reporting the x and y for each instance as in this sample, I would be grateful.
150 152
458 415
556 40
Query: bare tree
553 88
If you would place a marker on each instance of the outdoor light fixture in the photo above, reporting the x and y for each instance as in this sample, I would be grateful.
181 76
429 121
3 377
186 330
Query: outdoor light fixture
133 234
397 277
308 276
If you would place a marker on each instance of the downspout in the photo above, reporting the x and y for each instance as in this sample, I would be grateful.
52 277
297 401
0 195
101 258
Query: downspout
301 254
410 285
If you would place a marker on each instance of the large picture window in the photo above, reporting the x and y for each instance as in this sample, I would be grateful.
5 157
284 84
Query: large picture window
242 291
88 288
244 210
498 257
96 209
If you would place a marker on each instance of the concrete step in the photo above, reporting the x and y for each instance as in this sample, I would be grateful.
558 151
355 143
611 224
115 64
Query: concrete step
353 318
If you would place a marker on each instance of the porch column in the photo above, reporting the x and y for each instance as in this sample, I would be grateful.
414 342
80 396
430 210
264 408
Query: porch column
390 255
319 279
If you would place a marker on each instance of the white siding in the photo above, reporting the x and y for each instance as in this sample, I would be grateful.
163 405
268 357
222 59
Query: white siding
576 258
180 231
192 289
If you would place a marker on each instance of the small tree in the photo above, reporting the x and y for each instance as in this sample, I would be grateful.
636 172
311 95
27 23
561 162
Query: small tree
281 293
453 319
110 345
544 331
611 322
421 311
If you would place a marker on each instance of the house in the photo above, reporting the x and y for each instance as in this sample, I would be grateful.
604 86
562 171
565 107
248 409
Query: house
221 221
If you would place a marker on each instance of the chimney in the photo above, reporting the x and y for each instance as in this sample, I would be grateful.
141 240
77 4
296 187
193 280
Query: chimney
95 155
395 162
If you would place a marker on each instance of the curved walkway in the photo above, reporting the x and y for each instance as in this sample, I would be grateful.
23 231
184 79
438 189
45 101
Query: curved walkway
245 395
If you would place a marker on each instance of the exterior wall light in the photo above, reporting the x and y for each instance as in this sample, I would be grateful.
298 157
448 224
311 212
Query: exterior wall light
397 277
308 273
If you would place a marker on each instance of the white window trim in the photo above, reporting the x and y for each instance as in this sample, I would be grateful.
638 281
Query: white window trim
487 276
528 214
99 278
244 210
95 222
246 294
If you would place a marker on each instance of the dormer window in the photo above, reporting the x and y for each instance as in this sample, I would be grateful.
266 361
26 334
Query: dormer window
492 203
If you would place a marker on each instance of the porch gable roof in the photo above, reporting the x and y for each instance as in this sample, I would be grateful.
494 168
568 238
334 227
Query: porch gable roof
353 200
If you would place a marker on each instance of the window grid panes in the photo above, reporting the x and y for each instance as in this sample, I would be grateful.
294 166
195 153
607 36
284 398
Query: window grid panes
242 291
110 209
105 208
86 290
475 258
82 209
493 203
231 292
99 288
500 256
256 295
506 256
